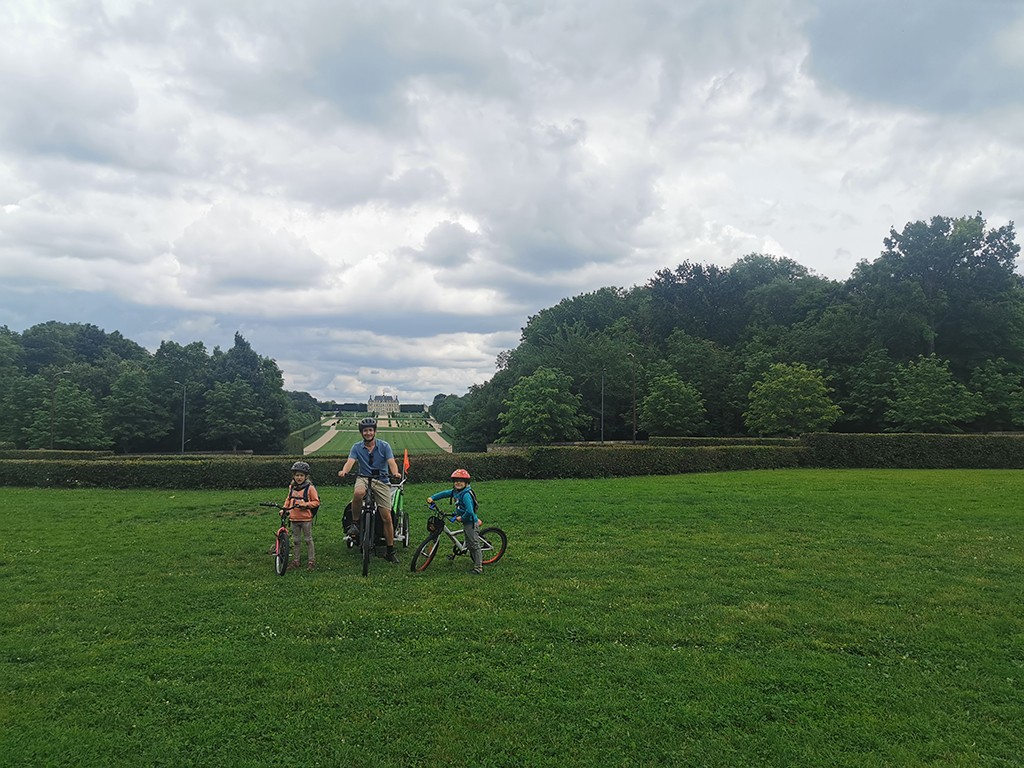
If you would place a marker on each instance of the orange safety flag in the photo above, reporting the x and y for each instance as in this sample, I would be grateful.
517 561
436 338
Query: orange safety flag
405 462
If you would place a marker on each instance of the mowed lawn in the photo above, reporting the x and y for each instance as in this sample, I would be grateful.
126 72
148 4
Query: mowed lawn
415 440
789 618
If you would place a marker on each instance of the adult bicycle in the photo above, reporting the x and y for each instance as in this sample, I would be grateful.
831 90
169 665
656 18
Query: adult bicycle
282 539
370 533
492 541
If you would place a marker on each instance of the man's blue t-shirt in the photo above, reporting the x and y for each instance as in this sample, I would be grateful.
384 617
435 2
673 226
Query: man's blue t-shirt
375 463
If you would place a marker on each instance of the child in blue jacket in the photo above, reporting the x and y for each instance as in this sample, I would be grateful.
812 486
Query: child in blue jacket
465 513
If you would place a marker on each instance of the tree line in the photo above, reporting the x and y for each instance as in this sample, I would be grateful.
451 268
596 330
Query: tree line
74 386
928 337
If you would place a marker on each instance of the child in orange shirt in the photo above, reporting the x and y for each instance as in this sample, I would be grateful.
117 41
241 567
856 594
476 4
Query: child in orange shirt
303 502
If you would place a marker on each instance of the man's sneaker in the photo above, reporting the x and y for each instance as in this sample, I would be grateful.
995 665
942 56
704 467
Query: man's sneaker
475 572
391 557
353 531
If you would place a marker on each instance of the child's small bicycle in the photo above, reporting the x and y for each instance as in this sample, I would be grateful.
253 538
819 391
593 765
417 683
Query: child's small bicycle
492 541
282 539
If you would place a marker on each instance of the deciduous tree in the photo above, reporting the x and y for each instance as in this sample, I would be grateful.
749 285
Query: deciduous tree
672 407
790 400
926 398
541 410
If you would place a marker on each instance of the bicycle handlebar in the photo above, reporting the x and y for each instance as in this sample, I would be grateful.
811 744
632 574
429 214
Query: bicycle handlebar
432 506
273 504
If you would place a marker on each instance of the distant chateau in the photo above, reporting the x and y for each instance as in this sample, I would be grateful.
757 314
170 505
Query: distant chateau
383 404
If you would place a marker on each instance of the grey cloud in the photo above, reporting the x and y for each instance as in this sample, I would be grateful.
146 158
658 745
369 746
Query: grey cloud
448 245
935 55
228 250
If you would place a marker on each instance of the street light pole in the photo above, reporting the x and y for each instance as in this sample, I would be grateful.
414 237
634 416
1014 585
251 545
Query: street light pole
602 405
53 401
632 359
182 415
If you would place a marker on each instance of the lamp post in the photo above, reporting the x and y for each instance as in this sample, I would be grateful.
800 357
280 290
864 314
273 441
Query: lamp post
182 415
53 401
632 360
602 406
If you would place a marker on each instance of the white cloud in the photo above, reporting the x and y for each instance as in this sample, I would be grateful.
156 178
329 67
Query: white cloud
379 196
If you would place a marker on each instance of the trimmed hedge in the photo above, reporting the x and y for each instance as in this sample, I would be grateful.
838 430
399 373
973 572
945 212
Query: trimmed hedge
915 451
631 461
241 472
44 453
244 472
910 451
693 442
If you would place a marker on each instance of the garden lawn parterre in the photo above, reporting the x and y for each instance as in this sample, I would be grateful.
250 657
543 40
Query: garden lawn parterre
416 440
787 618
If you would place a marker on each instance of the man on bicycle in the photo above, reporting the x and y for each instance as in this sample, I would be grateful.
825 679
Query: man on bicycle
376 460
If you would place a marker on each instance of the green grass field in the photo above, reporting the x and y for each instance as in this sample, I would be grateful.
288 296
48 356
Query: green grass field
416 441
789 618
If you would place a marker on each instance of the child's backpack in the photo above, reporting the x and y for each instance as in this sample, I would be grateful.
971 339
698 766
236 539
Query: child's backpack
476 503
305 497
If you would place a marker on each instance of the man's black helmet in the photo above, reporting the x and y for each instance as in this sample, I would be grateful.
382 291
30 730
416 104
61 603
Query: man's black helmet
369 421
300 466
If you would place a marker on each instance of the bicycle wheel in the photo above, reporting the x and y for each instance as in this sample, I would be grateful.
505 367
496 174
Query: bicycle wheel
366 540
492 544
405 529
281 553
425 553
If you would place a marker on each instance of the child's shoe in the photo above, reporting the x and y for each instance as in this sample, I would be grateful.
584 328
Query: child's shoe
294 565
311 565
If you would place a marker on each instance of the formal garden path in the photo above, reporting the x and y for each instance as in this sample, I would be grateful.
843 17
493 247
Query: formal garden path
327 436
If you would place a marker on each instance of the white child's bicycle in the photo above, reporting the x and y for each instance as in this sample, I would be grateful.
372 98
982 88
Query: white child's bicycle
492 541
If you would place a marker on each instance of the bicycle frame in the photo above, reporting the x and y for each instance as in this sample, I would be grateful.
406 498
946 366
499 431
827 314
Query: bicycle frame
493 542
282 539
368 540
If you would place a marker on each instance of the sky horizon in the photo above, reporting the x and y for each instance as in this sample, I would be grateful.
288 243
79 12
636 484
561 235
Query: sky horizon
379 196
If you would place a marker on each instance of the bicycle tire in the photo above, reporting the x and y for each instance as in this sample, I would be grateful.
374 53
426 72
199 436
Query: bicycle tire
492 543
405 529
281 552
425 553
366 540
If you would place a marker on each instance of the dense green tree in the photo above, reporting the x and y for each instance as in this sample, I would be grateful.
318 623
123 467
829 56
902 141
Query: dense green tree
70 420
868 385
926 398
242 363
447 408
790 400
134 419
947 287
478 422
541 410
20 398
708 368
12 358
672 407
303 410
999 387
233 417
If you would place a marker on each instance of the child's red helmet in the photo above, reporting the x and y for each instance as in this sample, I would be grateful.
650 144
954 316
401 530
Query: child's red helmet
460 474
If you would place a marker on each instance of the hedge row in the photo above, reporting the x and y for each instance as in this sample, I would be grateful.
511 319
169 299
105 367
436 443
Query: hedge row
56 454
58 469
273 472
174 472
915 451
694 442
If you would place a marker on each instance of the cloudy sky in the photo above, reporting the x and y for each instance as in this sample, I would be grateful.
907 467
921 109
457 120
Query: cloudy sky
378 195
